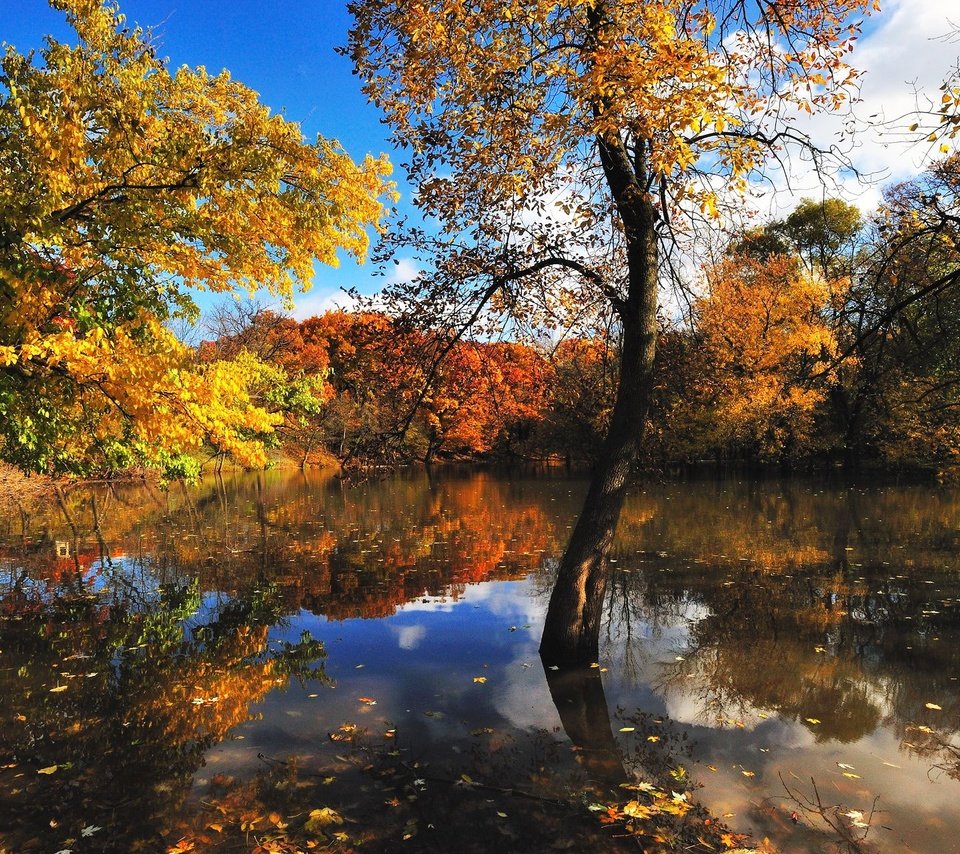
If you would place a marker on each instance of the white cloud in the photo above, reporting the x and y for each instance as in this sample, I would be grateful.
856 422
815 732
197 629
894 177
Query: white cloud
317 302
409 637
404 270
903 58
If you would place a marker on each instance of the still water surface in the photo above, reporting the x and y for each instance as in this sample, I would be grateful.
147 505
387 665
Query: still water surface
174 664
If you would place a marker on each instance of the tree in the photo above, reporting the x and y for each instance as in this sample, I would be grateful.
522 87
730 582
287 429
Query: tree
765 330
905 390
557 143
124 186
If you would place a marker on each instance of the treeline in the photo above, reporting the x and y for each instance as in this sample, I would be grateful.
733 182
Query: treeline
817 338
392 393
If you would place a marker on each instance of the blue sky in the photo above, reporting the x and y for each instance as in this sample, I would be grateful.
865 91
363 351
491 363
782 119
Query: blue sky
284 49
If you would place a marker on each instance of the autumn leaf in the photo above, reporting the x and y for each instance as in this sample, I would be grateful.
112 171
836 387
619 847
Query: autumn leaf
321 818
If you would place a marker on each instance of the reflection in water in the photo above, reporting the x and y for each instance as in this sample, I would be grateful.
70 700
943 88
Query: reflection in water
789 628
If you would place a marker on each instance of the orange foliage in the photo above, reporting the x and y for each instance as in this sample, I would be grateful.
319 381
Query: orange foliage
765 330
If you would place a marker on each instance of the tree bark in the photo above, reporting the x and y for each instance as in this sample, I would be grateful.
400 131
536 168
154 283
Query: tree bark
572 629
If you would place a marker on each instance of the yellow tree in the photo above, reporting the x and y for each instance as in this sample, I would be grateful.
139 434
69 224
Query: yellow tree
557 142
126 184
765 329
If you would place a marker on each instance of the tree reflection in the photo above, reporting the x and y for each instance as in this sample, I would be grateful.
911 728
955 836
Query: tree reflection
152 612
112 702
843 608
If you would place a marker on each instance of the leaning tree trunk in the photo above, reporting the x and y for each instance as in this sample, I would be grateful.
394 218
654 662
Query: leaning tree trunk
571 633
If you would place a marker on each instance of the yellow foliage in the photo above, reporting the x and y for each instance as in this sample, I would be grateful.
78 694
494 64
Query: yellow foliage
766 328
126 184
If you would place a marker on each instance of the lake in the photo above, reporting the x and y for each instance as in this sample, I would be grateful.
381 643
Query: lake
283 662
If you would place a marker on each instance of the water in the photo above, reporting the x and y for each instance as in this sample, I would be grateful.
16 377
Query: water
767 644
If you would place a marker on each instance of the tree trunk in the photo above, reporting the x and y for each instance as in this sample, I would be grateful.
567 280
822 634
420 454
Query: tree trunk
571 632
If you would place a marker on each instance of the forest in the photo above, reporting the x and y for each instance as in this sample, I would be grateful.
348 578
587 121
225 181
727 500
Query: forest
824 336
777 362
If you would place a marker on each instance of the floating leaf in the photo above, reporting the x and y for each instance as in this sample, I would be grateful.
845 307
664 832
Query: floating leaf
933 706
635 809
627 729
813 721
480 679
321 818
58 689
852 776
50 769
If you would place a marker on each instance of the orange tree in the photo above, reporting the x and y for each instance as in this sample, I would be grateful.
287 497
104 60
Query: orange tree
765 329
556 142
125 185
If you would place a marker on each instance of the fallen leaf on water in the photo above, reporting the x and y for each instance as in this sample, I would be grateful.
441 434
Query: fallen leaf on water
712 767
480 679
852 776
367 701
502 814
51 769
627 729
813 721
933 706
58 689
653 738
89 830
322 818
748 773
845 766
